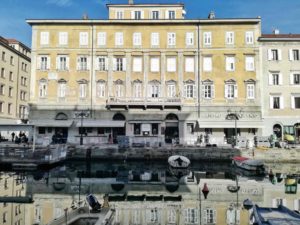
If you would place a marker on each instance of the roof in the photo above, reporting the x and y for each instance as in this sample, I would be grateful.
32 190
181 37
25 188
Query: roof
279 37
149 4
5 42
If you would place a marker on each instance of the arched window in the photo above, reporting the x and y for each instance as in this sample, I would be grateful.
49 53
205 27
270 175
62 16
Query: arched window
62 84
171 116
119 116
61 116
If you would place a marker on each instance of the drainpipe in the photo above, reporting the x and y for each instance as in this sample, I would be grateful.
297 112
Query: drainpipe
92 71
198 72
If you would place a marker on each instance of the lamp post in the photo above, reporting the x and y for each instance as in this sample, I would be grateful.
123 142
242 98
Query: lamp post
82 115
235 189
205 192
235 117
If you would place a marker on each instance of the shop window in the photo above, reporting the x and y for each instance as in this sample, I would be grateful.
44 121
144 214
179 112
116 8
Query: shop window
100 130
42 130
208 130
252 131
154 129
137 128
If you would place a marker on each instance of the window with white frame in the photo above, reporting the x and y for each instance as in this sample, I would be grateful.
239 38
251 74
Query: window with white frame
44 38
101 89
2 89
230 63
210 216
119 64
136 216
189 64
172 216
137 15
191 216
229 38
171 64
154 89
102 62
154 39
276 102
190 89
249 37
208 89
231 90
155 15
152 215
189 39
44 62
119 89
207 63
295 100
274 54
275 79
42 88
63 38
82 89
62 62
250 88
101 39
82 63
171 39
171 90
207 38
119 15
62 89
295 78
249 63
119 38
137 64
83 38
137 89
233 216
171 14
154 64
137 39
294 54
1 107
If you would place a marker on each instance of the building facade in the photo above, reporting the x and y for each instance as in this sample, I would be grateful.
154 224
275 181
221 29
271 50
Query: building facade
281 80
146 73
15 66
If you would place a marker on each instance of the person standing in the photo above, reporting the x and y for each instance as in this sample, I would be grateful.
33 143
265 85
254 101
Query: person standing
13 136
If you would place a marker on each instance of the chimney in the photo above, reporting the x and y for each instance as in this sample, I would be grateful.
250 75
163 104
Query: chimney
85 16
276 31
211 15
130 2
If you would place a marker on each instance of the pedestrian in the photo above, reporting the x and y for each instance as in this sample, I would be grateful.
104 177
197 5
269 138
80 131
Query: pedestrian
13 136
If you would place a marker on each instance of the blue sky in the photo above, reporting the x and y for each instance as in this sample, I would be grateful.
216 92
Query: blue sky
281 14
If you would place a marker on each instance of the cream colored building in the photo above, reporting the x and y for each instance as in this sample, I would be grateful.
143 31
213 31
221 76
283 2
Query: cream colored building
15 64
281 80
147 73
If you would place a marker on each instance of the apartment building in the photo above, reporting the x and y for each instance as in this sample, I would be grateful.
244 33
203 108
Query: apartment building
15 64
147 73
281 80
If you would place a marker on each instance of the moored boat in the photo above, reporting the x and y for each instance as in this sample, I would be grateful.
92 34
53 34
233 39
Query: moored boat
178 165
252 165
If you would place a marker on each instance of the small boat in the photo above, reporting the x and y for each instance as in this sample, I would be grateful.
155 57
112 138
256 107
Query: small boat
253 165
93 202
179 162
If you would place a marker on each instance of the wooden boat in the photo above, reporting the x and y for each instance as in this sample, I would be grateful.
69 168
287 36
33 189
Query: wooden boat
178 165
252 165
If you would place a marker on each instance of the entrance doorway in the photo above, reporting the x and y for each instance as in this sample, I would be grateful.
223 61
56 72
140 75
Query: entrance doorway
172 130
118 131
61 135
277 130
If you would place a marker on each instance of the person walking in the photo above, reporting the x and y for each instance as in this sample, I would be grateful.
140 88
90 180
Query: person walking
13 136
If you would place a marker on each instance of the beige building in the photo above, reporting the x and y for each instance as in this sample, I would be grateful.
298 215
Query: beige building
145 72
15 64
281 80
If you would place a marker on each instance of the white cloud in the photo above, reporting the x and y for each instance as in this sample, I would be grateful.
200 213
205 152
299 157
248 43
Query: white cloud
61 3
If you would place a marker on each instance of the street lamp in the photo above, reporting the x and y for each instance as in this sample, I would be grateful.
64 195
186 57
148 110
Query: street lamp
82 115
205 192
235 189
235 117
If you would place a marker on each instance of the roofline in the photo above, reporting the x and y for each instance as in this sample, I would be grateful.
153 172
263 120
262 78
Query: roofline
264 39
14 50
143 4
146 21
20 43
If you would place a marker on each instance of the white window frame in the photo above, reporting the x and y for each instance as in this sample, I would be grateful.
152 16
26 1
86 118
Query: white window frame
189 64
171 64
137 64
154 64
208 90
83 38
171 14
102 63
249 63
82 63
155 39
280 97
154 90
82 90
250 89
63 38
229 37
62 86
44 38
189 38
230 63
231 91
137 90
119 39
172 215
153 16
274 54
171 90
207 38
191 216
210 216
171 39
101 39
207 63
293 78
101 89
137 39
233 216
43 87
272 79
43 62
119 64
119 90
62 62
190 91
249 37
293 102
119 14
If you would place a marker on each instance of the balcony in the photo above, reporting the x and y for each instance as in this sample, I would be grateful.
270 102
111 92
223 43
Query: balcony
144 103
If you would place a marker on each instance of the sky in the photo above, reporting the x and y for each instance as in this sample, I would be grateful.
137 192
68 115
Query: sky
279 14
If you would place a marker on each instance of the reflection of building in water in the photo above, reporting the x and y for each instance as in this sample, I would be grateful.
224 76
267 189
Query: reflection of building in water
159 201
11 185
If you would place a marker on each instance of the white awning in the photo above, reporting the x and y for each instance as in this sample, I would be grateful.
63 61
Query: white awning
52 123
231 124
100 123
144 121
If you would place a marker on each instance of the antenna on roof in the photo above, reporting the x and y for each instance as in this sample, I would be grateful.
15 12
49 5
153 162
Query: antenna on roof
85 16
130 2
211 15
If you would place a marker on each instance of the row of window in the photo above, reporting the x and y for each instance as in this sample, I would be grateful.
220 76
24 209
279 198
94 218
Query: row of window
277 101
3 57
153 89
276 54
275 78
3 74
9 107
137 38
154 14
120 64
10 92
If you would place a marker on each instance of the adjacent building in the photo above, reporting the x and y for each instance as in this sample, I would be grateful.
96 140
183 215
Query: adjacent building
15 66
280 84
147 73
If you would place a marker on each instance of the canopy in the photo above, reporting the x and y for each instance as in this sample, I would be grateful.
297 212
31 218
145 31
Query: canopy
100 123
51 123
